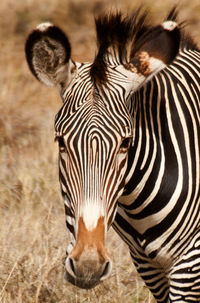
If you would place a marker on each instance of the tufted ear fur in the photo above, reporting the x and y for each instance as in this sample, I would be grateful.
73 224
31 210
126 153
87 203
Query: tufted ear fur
48 55
156 49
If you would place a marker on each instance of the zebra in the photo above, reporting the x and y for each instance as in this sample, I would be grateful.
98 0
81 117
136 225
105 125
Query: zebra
129 148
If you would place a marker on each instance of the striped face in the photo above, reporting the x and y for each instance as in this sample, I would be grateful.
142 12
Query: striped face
94 131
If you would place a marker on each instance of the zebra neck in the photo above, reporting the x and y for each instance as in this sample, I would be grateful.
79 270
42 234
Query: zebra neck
146 152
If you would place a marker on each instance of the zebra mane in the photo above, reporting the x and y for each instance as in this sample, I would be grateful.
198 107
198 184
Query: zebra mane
117 35
120 37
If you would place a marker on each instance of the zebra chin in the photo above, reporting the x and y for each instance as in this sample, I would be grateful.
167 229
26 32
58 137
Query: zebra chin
89 275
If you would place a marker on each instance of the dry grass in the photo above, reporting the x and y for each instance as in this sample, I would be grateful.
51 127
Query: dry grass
33 236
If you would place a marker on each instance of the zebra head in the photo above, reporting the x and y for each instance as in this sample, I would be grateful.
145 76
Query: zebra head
94 127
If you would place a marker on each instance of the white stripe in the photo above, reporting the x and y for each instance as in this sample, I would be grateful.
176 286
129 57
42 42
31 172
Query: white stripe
91 212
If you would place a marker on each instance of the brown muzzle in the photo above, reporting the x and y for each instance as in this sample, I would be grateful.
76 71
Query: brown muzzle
88 263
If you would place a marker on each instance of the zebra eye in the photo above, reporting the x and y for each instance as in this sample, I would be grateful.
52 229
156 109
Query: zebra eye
125 143
61 144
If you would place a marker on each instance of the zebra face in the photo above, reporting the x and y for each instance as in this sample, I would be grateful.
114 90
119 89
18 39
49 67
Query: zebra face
94 136
94 127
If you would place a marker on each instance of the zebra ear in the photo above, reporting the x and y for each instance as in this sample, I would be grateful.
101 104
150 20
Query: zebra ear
48 55
153 52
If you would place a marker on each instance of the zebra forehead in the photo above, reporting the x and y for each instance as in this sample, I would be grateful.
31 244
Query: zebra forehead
93 117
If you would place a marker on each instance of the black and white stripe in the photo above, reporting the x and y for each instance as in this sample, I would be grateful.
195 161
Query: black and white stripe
129 144
159 212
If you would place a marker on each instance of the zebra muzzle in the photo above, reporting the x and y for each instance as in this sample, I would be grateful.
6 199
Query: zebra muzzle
86 273
88 263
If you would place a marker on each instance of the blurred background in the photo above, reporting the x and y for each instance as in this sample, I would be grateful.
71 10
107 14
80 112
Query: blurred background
33 237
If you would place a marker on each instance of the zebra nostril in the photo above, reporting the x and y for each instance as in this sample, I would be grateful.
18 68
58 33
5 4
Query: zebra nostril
70 267
107 270
71 263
